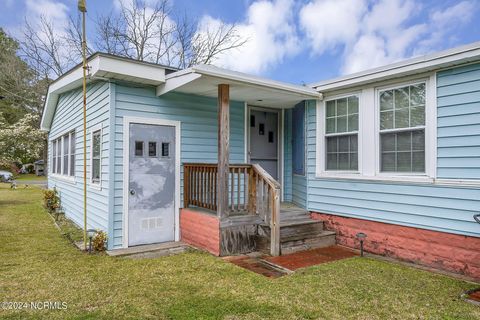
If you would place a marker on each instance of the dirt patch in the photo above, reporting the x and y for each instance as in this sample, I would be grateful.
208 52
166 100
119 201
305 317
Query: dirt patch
474 296
255 264
312 257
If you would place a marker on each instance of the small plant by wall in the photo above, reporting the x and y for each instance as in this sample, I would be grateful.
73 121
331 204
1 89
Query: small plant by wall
99 241
51 201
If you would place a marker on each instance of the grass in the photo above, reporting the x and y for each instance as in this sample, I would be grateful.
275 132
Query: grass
38 264
29 177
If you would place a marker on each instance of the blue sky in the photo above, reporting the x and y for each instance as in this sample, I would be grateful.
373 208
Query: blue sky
303 41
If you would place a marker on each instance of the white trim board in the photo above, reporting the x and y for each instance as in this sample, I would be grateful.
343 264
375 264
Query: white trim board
101 67
126 170
427 63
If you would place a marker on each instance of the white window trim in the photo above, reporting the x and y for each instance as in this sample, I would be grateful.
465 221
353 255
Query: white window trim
60 140
368 131
322 135
95 185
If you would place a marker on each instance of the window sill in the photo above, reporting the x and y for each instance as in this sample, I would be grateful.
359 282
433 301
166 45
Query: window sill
96 186
379 178
59 177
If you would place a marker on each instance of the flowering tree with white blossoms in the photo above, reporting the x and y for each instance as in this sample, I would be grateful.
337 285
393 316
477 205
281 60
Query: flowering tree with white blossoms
21 142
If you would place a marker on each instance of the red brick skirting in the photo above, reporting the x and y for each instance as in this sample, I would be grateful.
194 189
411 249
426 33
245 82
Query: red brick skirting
201 230
440 250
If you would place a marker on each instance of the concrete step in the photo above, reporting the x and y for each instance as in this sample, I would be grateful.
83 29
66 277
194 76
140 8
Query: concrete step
150 250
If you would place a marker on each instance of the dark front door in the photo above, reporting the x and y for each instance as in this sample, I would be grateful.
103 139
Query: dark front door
264 140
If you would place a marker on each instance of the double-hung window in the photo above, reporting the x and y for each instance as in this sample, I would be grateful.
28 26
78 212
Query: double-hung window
341 134
63 155
402 129
96 156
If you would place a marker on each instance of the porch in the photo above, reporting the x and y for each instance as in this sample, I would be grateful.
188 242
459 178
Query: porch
238 207
254 218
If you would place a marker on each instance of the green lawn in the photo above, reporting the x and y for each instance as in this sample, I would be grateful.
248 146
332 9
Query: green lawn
38 264
29 177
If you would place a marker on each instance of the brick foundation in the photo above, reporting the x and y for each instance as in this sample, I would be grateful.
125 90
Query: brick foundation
440 250
201 230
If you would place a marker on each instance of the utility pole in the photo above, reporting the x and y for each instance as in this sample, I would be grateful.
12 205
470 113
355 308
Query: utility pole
83 9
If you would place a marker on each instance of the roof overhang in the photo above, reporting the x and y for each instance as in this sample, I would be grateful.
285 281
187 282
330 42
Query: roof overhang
101 66
203 80
428 63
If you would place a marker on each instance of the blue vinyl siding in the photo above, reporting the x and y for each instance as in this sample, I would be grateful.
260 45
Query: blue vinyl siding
68 117
429 206
198 117
299 191
458 127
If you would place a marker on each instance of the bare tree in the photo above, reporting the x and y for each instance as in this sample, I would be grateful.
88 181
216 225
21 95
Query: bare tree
206 45
137 30
44 49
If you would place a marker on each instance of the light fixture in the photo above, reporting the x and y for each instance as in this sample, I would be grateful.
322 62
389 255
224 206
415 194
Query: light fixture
90 233
361 236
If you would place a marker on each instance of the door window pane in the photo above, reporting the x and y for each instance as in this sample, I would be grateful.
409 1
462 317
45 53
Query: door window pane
139 148
165 149
152 149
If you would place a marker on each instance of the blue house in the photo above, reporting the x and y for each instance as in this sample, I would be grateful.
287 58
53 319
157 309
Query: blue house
233 163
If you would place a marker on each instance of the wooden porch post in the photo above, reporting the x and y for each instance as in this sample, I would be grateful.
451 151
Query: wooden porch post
223 148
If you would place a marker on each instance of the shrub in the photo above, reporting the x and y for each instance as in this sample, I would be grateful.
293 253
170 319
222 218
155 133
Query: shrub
99 241
51 200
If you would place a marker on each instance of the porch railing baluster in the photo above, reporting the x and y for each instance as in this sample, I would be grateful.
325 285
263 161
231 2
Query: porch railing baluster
257 193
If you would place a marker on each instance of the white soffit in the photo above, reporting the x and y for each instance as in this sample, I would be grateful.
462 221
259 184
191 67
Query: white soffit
100 66
203 80
432 62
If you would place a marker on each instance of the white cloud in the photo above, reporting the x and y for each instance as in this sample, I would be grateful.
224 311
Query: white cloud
52 11
443 24
271 32
329 23
372 33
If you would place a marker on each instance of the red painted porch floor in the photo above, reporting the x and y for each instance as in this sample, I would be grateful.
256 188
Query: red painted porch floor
274 267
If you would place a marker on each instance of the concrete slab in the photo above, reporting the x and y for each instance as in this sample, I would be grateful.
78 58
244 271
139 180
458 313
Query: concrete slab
150 250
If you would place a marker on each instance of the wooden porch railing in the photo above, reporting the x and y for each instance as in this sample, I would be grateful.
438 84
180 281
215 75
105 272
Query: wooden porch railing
251 190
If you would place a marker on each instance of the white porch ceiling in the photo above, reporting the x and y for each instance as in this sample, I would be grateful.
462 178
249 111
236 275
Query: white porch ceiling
204 81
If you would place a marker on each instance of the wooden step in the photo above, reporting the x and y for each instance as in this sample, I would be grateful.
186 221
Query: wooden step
323 239
319 240
294 227
298 234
